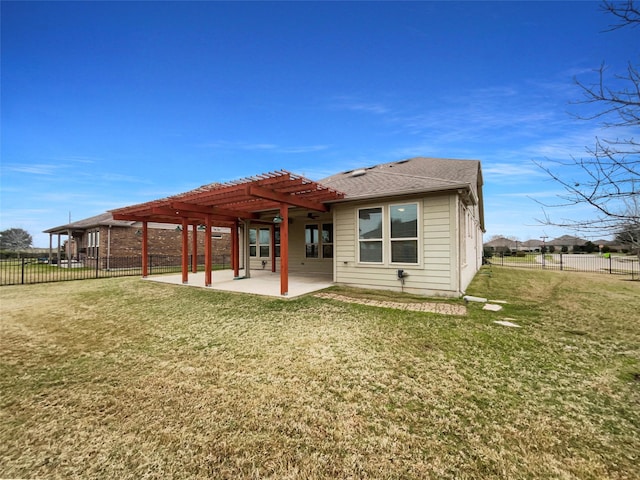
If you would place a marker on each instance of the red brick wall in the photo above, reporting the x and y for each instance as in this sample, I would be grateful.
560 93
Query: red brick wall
126 243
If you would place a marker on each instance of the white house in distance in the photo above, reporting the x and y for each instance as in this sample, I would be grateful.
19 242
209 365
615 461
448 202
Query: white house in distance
413 225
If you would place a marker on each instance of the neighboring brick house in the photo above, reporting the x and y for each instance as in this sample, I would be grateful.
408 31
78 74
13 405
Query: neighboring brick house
114 241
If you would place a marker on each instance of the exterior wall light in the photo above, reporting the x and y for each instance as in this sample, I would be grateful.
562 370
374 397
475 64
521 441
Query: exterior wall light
277 219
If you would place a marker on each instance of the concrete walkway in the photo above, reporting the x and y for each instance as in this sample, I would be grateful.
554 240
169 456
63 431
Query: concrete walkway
262 282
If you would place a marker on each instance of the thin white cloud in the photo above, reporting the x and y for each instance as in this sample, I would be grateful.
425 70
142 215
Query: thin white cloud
77 159
265 147
355 104
512 170
34 169
303 149
258 146
374 108
118 177
534 195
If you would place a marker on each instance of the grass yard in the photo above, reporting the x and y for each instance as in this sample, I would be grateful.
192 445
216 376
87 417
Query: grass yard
123 378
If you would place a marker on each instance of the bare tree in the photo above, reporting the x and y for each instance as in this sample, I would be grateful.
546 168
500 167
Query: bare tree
607 178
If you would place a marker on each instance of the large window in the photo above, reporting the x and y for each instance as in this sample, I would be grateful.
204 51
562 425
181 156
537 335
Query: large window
404 233
370 234
389 234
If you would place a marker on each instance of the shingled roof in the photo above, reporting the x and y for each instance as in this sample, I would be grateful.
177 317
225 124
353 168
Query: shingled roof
98 220
414 175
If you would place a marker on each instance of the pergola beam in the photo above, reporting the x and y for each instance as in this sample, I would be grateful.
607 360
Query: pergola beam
191 208
173 219
193 217
285 198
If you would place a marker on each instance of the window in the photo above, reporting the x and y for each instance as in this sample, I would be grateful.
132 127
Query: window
259 242
264 240
327 240
93 242
311 241
370 234
253 242
404 233
318 240
276 234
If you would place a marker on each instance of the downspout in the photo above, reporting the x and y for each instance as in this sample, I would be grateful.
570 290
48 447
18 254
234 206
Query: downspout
458 246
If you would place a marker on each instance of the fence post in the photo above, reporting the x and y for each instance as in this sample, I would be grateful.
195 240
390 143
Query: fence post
560 261
150 263
97 265
610 264
22 273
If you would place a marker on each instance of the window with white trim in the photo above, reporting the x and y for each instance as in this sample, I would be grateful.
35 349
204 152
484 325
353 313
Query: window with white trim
404 233
259 242
370 235
264 240
253 242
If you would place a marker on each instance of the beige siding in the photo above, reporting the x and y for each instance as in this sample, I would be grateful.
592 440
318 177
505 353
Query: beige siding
436 272
473 246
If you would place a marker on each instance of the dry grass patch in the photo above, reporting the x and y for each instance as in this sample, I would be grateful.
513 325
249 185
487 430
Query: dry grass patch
421 306
130 379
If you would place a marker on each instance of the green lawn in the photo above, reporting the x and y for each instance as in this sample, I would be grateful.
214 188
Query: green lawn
123 378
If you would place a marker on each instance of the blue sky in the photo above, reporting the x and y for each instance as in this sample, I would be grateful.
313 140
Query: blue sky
106 104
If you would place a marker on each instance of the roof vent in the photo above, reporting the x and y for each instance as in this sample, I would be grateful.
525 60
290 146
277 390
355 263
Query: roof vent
358 173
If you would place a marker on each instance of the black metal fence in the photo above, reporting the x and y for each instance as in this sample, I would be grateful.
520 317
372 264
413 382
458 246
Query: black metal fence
21 271
596 263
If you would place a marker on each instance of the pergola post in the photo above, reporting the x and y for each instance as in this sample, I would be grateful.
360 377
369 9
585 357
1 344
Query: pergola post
207 252
284 249
145 250
194 249
235 250
185 251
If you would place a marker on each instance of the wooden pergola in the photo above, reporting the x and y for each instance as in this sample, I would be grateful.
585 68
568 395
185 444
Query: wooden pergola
226 205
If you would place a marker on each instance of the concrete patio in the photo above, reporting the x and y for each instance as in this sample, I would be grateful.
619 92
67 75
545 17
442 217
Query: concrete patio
261 282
